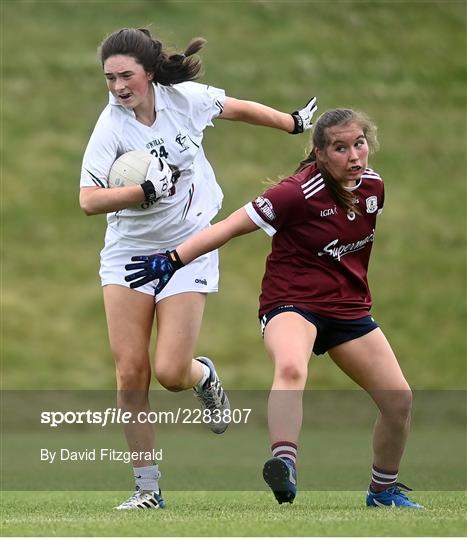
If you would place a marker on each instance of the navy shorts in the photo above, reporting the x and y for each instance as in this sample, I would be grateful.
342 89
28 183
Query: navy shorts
331 332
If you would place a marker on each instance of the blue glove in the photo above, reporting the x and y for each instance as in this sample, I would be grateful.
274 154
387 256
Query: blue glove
150 267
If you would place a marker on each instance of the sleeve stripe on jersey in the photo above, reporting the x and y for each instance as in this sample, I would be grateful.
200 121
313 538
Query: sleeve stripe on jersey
96 180
311 180
370 173
219 106
313 188
257 220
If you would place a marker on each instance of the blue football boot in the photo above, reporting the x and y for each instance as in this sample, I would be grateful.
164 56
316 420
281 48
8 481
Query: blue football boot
392 496
281 476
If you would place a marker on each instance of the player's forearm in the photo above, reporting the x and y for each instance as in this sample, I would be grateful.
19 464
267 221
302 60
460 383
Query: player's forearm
203 242
258 114
102 200
216 236
162 266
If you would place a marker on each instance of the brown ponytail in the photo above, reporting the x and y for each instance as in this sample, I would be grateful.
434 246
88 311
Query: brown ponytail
179 67
150 53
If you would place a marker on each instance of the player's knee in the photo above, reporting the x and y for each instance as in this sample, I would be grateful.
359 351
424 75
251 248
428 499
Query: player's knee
132 385
290 371
403 403
171 379
132 375
400 405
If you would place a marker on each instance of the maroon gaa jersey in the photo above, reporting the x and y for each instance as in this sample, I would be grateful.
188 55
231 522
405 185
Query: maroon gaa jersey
320 252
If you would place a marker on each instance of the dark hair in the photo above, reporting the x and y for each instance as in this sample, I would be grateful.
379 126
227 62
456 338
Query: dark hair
320 139
150 53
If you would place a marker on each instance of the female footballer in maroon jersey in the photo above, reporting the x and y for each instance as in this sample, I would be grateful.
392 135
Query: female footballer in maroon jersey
315 294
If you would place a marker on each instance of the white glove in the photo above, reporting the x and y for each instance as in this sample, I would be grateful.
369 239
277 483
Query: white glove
303 117
158 181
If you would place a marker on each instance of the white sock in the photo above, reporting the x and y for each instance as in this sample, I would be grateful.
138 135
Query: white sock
204 378
146 478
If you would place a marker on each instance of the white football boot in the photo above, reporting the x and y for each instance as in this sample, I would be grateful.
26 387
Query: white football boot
147 500
214 399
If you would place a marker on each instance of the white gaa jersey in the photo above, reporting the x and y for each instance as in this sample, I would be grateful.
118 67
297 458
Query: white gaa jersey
183 111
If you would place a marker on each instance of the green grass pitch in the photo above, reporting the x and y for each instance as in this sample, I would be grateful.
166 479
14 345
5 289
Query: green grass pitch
204 513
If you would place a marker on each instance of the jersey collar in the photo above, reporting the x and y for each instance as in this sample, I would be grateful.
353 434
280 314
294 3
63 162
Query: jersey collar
356 186
159 95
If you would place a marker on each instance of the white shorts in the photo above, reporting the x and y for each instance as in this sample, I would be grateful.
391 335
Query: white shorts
201 275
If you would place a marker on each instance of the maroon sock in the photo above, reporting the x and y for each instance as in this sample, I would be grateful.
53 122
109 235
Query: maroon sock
285 449
381 479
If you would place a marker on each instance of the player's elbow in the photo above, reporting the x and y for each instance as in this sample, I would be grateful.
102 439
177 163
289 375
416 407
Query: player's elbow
86 202
87 208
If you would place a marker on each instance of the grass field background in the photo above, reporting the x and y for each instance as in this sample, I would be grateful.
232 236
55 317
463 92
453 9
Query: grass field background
404 63
231 514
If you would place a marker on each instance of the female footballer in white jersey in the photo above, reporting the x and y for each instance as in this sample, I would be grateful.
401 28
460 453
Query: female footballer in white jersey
315 295
155 106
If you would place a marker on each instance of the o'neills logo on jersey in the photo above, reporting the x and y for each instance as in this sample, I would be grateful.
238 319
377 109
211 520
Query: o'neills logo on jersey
265 207
336 251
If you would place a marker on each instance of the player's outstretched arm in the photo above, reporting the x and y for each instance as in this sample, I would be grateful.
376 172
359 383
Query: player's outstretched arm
162 266
262 115
237 224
